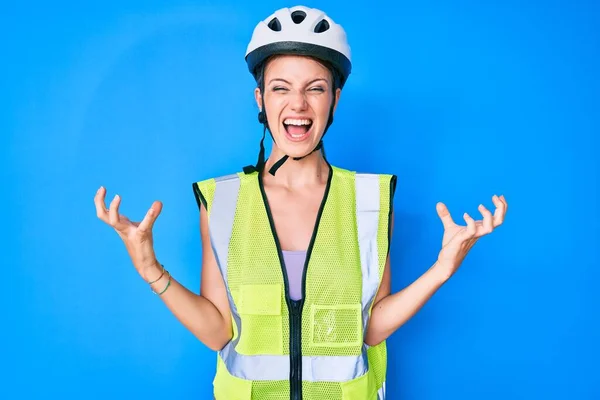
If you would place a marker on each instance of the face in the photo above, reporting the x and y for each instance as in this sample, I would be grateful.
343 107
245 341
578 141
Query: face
298 96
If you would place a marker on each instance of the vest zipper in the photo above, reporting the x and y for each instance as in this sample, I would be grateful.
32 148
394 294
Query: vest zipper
300 303
295 306
295 339
295 316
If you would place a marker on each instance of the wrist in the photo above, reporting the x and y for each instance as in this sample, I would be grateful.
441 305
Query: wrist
151 272
440 272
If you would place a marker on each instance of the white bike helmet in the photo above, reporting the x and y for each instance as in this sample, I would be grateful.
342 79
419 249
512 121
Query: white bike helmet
301 31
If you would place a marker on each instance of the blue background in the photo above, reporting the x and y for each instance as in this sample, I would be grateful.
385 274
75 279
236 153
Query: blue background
460 99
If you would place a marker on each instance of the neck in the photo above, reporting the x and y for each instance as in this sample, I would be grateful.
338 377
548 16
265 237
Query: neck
311 170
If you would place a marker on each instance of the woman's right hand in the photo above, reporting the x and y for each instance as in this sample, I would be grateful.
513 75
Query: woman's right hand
137 236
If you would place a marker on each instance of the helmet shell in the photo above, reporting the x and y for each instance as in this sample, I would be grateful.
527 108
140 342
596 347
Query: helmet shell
300 31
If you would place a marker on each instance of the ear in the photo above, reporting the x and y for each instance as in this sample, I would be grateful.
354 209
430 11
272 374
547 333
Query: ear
258 98
338 93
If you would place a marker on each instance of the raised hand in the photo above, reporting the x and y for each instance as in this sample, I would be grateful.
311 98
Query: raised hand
459 239
137 236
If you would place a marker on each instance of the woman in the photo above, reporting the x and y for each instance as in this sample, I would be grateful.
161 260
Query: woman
295 292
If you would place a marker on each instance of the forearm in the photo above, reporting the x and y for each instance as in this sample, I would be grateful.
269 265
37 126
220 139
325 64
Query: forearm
394 310
198 314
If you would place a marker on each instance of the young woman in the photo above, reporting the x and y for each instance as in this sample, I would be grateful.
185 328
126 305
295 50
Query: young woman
295 292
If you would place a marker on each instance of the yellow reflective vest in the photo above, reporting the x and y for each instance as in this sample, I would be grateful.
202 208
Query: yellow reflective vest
311 349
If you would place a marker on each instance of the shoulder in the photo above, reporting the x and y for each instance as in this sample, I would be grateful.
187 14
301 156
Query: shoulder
204 189
382 180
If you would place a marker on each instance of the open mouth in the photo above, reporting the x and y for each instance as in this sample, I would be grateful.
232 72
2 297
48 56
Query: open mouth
297 129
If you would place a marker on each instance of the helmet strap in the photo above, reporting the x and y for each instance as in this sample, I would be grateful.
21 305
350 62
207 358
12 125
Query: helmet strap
260 163
262 118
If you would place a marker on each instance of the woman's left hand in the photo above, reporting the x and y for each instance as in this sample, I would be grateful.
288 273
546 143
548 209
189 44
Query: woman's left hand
458 239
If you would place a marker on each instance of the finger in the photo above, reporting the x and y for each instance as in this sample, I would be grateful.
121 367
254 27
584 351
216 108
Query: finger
471 226
444 215
500 210
113 211
505 203
101 210
488 226
148 222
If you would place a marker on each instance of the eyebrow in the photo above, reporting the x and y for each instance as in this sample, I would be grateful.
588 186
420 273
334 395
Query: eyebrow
289 83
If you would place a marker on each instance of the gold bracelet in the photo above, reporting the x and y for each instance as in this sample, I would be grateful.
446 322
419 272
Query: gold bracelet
166 286
161 275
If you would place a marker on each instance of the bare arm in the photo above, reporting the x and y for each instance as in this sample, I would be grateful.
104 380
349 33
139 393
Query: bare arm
391 311
206 315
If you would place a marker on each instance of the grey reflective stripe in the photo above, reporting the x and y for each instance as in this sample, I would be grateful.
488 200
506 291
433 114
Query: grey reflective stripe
314 368
222 214
255 368
333 368
381 392
221 218
368 198
367 218
271 367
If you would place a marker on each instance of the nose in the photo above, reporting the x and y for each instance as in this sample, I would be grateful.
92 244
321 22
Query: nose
298 101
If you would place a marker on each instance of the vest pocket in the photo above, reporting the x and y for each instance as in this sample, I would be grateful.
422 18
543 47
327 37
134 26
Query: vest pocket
362 388
336 326
259 307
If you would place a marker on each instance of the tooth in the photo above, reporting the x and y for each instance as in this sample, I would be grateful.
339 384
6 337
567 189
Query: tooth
297 122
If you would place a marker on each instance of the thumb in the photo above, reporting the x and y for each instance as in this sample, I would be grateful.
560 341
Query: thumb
148 222
444 215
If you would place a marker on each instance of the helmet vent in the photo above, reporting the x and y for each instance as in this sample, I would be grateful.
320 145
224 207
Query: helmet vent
298 16
322 26
275 25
